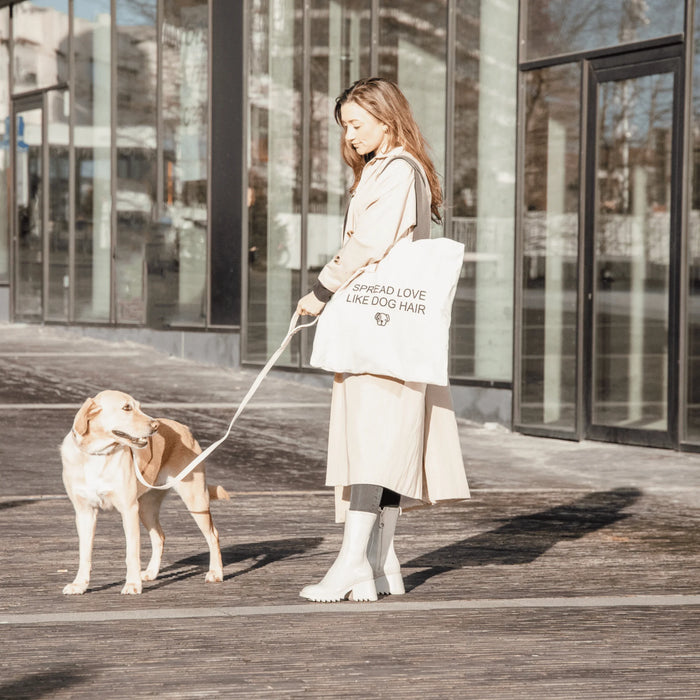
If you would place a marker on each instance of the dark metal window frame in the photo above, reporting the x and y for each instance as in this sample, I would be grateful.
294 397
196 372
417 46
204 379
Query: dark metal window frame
526 428
678 46
661 60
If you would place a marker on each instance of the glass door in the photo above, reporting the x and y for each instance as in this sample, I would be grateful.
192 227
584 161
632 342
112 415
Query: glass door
632 231
29 208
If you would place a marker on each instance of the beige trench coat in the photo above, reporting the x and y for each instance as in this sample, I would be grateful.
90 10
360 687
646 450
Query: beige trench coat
400 435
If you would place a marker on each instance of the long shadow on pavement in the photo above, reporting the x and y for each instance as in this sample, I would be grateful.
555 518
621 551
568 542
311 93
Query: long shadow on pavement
6 505
46 683
526 537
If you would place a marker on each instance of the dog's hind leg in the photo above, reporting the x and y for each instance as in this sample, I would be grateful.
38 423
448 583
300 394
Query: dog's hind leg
85 521
206 525
149 510
193 492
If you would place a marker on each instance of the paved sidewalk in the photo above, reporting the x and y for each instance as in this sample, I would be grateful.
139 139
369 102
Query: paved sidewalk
571 573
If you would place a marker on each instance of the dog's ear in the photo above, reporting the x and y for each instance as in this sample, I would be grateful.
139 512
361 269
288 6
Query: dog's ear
88 410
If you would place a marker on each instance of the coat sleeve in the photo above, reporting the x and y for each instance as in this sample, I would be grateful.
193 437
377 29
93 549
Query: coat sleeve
389 212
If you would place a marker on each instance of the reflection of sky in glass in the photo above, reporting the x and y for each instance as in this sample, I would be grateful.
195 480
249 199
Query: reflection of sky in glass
60 5
129 12
564 26
132 13
89 9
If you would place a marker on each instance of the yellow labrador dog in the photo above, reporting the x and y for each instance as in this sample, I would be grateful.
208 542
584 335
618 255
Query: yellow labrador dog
109 432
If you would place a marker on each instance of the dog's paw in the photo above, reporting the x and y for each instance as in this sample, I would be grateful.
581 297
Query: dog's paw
214 576
149 574
131 588
75 588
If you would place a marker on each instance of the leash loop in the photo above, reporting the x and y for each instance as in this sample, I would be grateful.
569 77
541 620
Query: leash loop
293 330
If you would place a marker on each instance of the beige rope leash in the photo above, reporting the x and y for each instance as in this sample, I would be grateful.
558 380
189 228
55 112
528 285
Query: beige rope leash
293 330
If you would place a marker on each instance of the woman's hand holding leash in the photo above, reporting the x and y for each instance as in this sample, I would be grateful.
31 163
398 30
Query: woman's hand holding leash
310 305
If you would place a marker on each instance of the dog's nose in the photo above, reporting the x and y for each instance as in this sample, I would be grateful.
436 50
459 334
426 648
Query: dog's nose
155 425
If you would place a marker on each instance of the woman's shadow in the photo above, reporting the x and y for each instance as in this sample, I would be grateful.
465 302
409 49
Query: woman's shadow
526 537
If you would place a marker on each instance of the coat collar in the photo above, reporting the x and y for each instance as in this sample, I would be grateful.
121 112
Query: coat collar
379 157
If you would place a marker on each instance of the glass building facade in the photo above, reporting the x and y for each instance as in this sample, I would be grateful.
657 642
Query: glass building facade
172 168
300 58
108 115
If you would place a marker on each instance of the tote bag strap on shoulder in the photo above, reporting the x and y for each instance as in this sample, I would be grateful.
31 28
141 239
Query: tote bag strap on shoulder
422 229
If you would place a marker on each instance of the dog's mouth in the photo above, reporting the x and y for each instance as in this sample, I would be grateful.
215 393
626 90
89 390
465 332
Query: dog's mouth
137 441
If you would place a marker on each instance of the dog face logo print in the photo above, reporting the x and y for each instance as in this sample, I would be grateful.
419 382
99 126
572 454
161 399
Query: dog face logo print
381 319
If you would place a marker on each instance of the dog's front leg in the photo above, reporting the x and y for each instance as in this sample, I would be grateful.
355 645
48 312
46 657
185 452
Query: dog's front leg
130 521
85 521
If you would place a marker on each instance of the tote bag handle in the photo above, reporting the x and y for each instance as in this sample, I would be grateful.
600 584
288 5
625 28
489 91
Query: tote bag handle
422 229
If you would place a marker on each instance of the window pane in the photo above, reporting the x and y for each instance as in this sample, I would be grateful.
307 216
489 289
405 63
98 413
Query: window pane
564 26
136 153
483 192
178 252
5 141
550 247
58 220
413 52
693 369
274 174
40 44
92 137
29 188
631 246
340 36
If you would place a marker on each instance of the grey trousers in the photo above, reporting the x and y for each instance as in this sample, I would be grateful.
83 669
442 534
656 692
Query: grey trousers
370 498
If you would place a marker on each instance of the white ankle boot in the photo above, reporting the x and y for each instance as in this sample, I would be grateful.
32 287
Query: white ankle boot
381 554
351 572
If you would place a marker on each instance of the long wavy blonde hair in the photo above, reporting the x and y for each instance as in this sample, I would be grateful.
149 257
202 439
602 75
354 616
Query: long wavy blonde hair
388 105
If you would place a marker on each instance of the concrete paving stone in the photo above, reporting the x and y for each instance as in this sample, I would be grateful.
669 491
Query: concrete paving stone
533 654
272 546
548 521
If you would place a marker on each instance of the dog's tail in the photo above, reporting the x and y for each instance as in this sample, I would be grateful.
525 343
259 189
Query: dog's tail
218 493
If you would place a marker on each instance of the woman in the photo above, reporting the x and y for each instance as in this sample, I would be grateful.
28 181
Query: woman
391 443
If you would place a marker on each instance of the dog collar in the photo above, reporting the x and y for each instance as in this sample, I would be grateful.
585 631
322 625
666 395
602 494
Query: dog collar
108 450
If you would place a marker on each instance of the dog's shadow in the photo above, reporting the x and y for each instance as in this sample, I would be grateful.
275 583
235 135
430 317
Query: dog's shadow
260 554
524 538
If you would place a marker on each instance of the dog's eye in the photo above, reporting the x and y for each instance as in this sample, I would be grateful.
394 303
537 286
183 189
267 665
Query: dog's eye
127 407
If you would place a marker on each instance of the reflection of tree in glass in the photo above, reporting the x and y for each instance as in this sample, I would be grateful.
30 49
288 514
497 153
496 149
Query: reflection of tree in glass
563 26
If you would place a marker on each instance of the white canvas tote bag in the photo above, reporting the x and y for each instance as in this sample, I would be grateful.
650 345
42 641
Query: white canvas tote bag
393 318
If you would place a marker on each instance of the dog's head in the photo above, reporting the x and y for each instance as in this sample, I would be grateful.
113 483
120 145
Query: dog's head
113 417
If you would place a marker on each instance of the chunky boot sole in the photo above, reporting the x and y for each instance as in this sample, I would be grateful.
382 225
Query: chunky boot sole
362 591
390 584
351 573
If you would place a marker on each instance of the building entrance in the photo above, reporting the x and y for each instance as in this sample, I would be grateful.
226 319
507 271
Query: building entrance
29 208
632 238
